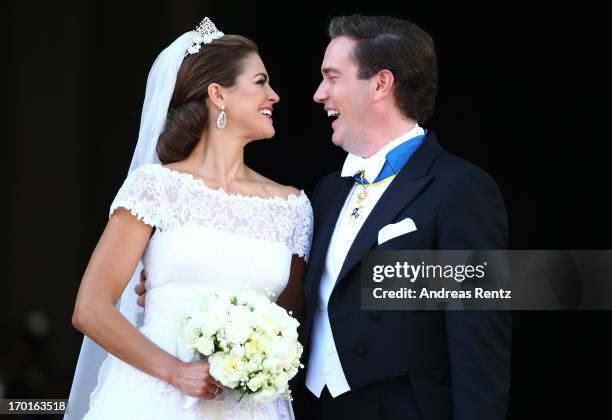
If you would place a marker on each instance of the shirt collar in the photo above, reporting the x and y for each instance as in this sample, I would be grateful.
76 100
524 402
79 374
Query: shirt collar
372 165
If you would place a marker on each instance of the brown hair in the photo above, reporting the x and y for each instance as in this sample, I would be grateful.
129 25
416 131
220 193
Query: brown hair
220 62
399 46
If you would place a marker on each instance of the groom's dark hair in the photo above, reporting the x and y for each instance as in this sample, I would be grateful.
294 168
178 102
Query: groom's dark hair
399 46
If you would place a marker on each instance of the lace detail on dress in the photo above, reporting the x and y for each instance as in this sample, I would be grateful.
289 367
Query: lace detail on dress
302 235
141 194
168 199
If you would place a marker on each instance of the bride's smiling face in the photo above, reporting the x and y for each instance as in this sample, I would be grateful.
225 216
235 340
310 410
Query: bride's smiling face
249 103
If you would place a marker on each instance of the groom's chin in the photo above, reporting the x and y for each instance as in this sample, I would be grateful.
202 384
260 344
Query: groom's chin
268 134
336 140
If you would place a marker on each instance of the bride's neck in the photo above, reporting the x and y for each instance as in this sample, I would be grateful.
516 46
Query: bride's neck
219 158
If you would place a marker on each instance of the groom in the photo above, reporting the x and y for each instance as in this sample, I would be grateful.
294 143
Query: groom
379 83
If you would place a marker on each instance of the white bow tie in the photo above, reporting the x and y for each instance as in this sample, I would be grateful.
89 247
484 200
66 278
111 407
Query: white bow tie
371 166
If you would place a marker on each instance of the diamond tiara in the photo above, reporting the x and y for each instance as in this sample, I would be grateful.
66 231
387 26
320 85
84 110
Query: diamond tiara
205 33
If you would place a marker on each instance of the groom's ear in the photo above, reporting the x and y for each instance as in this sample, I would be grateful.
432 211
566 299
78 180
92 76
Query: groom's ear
215 94
383 84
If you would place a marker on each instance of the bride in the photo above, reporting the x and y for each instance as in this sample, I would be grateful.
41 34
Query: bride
199 219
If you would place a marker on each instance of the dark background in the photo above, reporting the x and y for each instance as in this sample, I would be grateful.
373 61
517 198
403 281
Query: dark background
523 93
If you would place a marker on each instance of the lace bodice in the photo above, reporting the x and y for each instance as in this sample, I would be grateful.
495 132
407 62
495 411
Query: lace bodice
168 199
209 239
203 239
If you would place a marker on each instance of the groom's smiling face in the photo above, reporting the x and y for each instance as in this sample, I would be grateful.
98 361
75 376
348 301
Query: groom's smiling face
346 98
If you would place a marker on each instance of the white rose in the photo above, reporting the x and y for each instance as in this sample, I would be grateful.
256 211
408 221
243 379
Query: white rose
289 333
190 335
257 382
256 345
236 332
241 314
226 369
205 346
253 364
289 328
215 318
273 365
284 348
292 372
266 321
237 351
281 382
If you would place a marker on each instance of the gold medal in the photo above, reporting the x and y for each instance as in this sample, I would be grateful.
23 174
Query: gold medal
363 194
361 197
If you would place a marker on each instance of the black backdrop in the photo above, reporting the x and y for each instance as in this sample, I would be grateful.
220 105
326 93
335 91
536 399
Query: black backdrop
521 94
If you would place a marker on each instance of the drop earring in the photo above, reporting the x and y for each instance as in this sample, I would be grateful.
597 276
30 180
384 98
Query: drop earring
221 119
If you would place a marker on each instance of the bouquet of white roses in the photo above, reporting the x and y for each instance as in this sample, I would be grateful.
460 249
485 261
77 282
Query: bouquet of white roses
251 342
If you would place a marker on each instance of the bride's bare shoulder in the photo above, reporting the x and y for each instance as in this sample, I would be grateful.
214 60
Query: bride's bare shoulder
270 188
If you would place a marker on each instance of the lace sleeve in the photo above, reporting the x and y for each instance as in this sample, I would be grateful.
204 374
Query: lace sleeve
302 234
141 194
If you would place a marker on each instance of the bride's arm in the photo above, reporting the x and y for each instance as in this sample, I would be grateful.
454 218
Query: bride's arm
292 297
108 272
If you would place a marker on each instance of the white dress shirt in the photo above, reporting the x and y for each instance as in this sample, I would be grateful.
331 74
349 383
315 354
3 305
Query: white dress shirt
324 367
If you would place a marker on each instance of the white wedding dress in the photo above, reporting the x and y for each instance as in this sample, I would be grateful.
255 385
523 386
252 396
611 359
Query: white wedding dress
204 239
